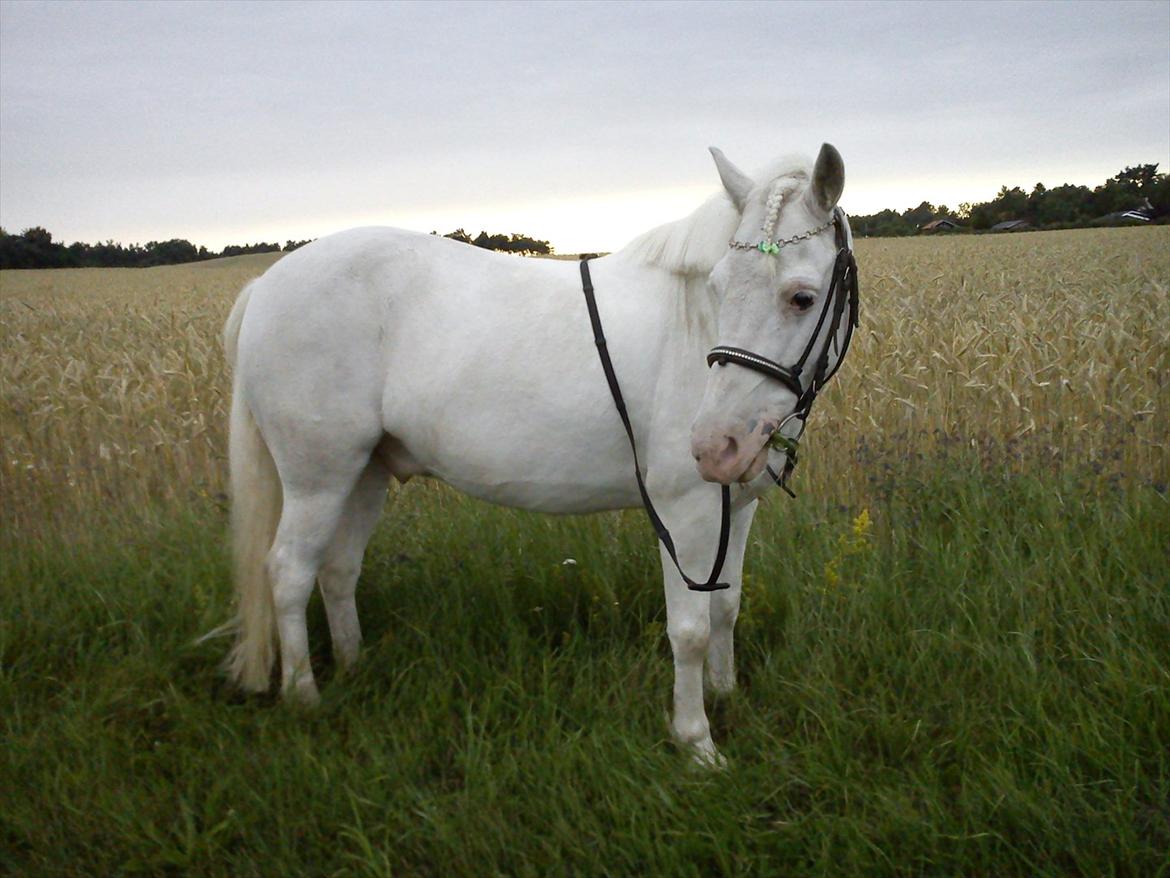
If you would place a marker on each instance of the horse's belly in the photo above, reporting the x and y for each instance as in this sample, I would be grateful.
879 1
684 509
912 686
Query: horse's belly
564 498
542 470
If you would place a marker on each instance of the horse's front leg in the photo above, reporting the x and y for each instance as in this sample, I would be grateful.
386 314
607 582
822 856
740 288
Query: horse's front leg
725 606
688 624
694 523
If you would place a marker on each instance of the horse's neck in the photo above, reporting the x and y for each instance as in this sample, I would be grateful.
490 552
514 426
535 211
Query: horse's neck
698 312
687 312
676 327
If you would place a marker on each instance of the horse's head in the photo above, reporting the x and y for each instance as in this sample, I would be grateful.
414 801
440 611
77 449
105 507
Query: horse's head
784 314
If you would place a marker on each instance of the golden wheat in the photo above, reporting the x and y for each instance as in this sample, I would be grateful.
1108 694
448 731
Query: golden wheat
1045 349
1050 347
114 388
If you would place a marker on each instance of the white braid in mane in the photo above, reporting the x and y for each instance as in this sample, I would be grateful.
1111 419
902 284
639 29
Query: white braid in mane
781 189
693 244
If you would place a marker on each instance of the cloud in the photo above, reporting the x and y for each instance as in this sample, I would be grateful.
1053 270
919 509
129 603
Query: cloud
155 120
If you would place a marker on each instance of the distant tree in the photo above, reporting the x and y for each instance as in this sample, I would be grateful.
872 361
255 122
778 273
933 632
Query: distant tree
9 250
920 215
489 242
169 252
885 223
244 249
1159 195
528 246
1130 189
32 248
1111 197
1011 203
40 249
513 243
112 255
458 235
1137 180
983 215
1063 205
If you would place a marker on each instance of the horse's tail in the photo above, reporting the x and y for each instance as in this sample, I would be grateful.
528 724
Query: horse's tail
231 328
256 504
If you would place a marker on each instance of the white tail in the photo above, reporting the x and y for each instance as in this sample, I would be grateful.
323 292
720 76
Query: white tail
256 504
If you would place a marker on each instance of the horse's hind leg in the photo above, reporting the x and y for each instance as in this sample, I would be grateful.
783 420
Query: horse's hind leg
307 524
343 560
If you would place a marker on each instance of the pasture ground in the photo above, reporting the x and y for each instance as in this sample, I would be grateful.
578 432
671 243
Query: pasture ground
953 657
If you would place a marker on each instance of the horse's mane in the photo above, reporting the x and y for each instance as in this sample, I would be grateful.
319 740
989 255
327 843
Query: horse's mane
692 245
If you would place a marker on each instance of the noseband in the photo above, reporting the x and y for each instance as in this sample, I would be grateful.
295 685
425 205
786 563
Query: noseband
843 292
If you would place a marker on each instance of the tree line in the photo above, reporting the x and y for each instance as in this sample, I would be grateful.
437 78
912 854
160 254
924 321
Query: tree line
513 243
35 248
1139 188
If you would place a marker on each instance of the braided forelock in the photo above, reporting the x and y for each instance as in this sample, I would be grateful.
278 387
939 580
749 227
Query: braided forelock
782 189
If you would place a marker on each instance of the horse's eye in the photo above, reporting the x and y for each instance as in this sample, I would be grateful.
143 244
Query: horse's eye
803 300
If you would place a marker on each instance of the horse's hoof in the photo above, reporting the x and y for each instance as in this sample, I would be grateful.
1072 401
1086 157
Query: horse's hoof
706 757
302 696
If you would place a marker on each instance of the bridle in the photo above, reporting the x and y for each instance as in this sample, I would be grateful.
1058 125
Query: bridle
842 293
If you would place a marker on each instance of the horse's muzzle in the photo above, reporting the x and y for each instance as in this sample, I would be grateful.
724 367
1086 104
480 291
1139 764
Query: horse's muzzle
725 459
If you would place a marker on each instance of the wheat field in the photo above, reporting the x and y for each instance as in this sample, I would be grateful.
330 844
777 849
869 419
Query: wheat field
1045 348
952 656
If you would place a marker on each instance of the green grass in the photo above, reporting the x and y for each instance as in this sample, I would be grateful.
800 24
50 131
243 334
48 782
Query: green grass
977 685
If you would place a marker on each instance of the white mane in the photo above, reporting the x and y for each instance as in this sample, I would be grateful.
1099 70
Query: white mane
692 245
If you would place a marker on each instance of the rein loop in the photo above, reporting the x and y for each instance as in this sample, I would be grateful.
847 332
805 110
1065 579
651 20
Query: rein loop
712 583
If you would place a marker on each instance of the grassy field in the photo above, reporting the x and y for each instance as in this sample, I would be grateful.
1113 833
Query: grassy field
954 661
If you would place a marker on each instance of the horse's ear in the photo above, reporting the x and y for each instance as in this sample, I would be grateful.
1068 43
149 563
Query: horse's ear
828 178
736 182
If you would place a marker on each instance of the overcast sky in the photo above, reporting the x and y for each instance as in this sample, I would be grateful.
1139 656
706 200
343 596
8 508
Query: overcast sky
583 123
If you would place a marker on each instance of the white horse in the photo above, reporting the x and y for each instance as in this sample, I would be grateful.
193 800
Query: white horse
378 353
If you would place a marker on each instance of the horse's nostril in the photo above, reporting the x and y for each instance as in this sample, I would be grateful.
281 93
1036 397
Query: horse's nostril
730 450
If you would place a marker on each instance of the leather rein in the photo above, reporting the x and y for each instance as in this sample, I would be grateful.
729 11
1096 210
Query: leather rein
843 292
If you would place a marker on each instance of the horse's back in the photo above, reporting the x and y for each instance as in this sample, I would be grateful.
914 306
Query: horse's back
374 269
361 294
